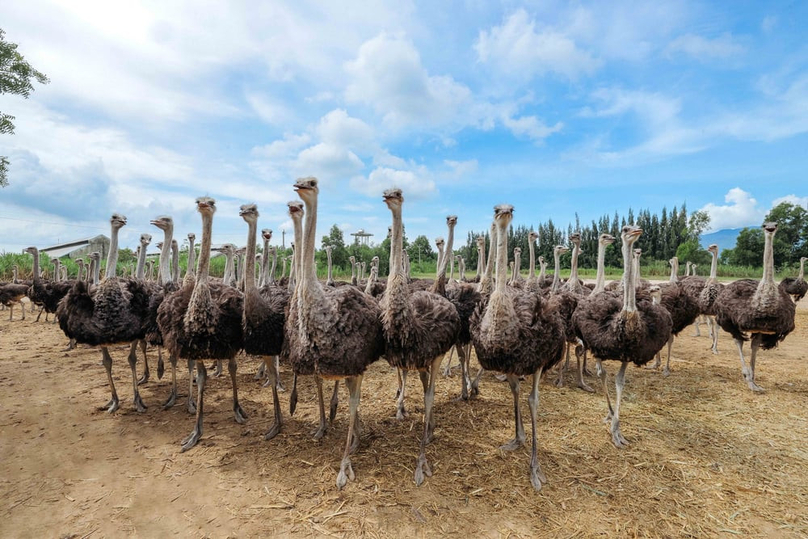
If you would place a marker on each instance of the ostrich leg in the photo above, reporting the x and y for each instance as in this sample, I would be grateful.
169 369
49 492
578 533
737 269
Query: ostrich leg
145 378
619 381
537 476
422 465
667 370
402 385
238 412
519 439
332 409
562 367
580 356
713 333
161 366
172 397
191 406
750 373
293 395
604 383
447 371
346 472
112 405
465 381
139 406
272 374
320 432
201 376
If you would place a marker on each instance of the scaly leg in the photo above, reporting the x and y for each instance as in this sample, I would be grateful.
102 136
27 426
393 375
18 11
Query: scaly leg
422 466
262 371
106 360
447 371
519 439
465 381
696 327
750 376
580 356
161 366
332 410
238 411
617 436
191 405
744 369
475 384
537 477
145 377
320 432
275 428
201 377
346 472
713 333
139 406
172 397
402 385
604 383
562 366
217 372
667 370
293 395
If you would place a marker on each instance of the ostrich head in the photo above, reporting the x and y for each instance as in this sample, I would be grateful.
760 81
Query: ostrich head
673 261
266 233
374 261
480 242
503 213
164 222
271 251
575 238
393 198
439 243
629 235
606 239
713 248
206 205
117 220
541 260
191 237
30 250
451 220
306 188
769 228
328 249
95 255
517 251
560 249
532 237
352 259
145 239
656 293
249 212
295 207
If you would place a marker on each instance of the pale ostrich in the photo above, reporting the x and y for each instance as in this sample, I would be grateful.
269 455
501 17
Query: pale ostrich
419 327
558 250
203 321
190 269
517 334
532 282
113 312
334 332
330 279
761 310
630 331
266 236
796 288
706 298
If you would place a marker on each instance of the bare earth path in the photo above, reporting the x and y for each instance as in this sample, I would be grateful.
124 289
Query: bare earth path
707 457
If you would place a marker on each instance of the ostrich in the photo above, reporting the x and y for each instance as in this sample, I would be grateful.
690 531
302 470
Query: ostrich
683 309
419 327
761 310
330 280
111 313
190 269
532 282
558 250
263 318
203 320
333 332
266 236
516 333
145 240
11 293
796 288
706 298
46 294
629 331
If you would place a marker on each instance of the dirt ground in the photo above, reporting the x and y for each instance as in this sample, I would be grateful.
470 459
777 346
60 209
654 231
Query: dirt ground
707 456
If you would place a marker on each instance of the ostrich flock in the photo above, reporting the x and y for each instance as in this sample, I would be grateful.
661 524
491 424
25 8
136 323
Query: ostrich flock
518 327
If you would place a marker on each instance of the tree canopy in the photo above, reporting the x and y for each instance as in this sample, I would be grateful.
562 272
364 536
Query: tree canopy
790 242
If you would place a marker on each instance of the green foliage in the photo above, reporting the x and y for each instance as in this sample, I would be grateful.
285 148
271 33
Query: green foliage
16 77
691 251
791 240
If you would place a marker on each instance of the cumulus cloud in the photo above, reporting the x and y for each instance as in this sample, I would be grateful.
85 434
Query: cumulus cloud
704 49
340 129
414 183
741 210
517 49
327 161
793 199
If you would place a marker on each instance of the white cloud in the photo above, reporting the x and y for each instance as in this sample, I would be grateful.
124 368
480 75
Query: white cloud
415 184
459 169
327 161
282 148
793 199
741 210
339 129
268 109
704 49
517 49
769 23
531 127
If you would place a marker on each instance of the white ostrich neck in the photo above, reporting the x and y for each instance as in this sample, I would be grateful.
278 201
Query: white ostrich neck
502 257
35 254
272 269
636 267
191 258
228 267
440 254
768 264
629 276
574 266
56 273
112 257
141 262
542 271
175 261
249 276
532 265
204 249
397 247
674 271
330 274
801 276
165 256
600 280
557 271
307 269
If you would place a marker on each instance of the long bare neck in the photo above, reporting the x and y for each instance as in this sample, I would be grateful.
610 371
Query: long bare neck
556 272
112 257
264 264
629 285
600 281
532 264
576 250
768 262
674 271
687 269
440 254
191 269
486 280
307 270
502 258
801 276
714 266
141 262
330 274
204 249
57 274
175 261
35 254
542 272
228 267
249 274
165 256
271 276
397 248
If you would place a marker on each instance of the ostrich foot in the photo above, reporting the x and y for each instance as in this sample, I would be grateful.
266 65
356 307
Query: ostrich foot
501 378
513 445
714 350
345 472
537 477
475 390
666 372
655 365
401 413
617 437
754 387
139 406
273 431
588 372
240 415
583 385
422 469
320 432
279 386
217 370
608 418
190 440
261 374
559 381
111 406
191 407
145 378
172 399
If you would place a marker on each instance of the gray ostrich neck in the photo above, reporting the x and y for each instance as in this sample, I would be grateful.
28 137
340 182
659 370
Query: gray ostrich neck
271 275
440 255
767 282
629 277
96 271
264 264
517 266
204 249
502 257
674 271
228 266
165 256
293 267
714 266
56 273
576 250
532 264
175 261
112 257
449 250
35 254
600 280
636 267
191 269
487 278
542 271
307 270
687 269
480 259
396 249
330 275
556 272
249 276
141 262
801 275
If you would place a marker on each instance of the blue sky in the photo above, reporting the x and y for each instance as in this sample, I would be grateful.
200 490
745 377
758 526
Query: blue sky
554 107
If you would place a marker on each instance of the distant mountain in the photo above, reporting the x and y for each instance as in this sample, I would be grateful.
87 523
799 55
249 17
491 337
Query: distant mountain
725 239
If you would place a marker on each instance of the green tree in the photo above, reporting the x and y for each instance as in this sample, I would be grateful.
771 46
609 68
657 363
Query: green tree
748 250
691 251
16 77
699 221
339 254
792 232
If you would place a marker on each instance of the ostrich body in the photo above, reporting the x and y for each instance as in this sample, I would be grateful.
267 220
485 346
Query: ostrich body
796 288
629 331
517 334
760 310
419 327
336 332
111 313
203 320
709 293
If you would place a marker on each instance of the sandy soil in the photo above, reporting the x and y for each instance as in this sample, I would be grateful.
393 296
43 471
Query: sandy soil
708 457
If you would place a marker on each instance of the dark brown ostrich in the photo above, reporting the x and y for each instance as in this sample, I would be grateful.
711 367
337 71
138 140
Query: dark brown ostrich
333 332
761 310
796 288
629 331
47 294
683 308
110 313
202 320
263 318
11 293
516 333
706 298
419 328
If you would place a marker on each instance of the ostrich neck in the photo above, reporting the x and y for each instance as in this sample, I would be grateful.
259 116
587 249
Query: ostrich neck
542 271
397 247
249 276
801 276
112 257
502 257
629 276
191 269
165 254
35 254
175 261
312 295
532 264
141 262
330 274
440 255
485 281
96 271
265 264
272 269
57 276
480 259
600 280
674 271
768 264
576 250
557 271
204 249
228 267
